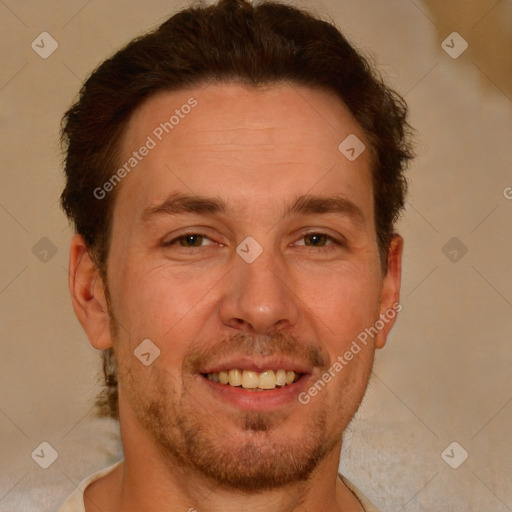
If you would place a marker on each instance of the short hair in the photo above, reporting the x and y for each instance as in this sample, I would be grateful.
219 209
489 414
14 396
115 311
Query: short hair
230 41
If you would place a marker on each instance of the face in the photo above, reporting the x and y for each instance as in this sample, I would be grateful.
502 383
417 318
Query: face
243 246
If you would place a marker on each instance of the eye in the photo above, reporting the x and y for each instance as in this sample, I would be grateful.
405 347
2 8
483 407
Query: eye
188 240
318 240
198 240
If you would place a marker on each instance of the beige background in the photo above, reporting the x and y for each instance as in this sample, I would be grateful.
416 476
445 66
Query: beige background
444 375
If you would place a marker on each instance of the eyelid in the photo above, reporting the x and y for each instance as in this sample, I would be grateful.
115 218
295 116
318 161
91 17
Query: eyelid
341 241
177 238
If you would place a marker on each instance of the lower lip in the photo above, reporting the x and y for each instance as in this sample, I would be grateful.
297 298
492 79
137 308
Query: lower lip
251 400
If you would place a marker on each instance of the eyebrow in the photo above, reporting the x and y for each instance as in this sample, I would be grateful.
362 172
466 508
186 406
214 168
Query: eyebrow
179 204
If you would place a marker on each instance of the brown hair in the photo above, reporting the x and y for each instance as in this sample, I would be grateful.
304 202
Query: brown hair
230 41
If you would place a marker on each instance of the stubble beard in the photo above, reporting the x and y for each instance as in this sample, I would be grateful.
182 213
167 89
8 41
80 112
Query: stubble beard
258 457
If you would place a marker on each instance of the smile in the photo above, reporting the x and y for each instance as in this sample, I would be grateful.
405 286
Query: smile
252 380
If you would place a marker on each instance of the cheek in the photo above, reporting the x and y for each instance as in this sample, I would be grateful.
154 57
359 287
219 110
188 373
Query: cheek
340 389
165 305
342 306
151 300
345 301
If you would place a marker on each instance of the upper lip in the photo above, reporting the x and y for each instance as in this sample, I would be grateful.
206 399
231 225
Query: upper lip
258 365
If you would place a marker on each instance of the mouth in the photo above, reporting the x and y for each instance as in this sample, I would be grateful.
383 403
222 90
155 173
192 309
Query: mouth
251 380
255 384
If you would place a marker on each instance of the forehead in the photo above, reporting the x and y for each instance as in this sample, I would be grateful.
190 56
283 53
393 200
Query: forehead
242 143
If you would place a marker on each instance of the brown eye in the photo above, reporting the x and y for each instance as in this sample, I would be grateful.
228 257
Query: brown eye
318 242
317 239
188 240
191 240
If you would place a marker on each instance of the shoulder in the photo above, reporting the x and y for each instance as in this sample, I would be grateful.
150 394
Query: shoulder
75 501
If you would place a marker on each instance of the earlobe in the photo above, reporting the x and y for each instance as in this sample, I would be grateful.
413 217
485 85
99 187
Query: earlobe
390 297
88 295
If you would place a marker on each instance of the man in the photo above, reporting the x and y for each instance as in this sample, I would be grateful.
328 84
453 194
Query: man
234 178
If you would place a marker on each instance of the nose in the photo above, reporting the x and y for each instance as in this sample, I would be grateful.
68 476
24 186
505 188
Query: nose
260 296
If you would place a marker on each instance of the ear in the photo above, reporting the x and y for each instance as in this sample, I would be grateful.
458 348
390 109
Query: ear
390 297
88 295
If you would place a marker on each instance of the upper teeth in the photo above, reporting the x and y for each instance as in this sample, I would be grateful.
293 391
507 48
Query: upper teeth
248 379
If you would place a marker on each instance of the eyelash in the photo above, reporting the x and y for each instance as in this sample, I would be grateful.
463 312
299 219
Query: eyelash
318 233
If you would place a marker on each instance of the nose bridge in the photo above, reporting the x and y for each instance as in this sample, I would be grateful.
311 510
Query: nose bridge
260 294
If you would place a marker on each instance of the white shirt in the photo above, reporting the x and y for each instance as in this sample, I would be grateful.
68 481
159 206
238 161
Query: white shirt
75 502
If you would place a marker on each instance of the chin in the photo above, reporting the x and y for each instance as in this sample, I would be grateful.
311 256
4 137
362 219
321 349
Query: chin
259 455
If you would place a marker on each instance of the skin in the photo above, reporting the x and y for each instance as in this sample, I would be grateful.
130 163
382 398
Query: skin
304 299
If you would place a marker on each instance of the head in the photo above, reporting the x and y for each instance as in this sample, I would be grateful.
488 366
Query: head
217 216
